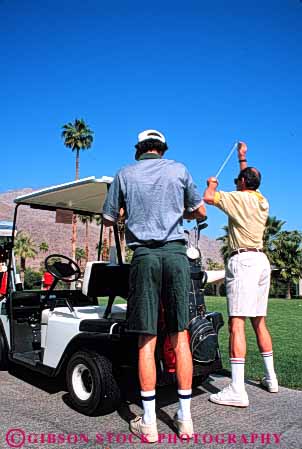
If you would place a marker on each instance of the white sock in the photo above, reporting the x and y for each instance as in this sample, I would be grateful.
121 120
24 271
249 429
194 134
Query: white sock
148 400
237 367
268 361
184 402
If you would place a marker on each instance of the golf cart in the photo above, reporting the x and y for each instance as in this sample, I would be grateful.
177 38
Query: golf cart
65 330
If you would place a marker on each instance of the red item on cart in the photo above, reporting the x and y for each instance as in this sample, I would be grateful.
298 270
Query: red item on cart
47 280
3 283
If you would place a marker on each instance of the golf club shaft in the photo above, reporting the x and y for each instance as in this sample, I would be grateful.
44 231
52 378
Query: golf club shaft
227 159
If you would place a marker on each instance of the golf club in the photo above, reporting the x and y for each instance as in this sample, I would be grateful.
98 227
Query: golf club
227 159
199 228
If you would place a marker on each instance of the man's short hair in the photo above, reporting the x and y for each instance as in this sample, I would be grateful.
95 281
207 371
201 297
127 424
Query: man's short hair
149 144
252 177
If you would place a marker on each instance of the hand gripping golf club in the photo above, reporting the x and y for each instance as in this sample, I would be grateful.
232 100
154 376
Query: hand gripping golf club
227 159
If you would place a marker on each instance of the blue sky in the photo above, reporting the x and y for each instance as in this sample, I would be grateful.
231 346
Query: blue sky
205 73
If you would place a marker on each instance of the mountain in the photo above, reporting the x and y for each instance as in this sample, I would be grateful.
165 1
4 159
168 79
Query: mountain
41 226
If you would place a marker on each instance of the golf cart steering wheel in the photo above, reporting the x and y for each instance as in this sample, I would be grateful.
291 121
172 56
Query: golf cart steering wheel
62 268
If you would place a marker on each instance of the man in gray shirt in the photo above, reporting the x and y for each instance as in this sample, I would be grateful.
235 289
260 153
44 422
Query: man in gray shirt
156 194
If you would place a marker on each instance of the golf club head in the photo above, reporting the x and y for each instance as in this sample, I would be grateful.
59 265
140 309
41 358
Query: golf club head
201 220
200 227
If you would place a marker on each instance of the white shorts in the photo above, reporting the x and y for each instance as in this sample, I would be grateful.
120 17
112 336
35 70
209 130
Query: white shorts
247 281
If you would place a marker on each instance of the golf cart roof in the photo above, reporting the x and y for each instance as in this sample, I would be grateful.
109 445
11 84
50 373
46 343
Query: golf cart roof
85 196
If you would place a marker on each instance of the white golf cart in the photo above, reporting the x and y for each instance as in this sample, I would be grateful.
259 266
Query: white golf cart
66 331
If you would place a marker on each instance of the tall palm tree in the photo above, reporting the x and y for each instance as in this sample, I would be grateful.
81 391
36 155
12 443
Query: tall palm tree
224 249
105 240
86 220
25 249
272 229
77 136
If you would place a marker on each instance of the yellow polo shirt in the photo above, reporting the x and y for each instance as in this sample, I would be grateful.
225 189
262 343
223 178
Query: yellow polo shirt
247 211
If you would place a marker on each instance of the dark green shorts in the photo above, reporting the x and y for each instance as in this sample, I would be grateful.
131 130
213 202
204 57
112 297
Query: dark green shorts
157 275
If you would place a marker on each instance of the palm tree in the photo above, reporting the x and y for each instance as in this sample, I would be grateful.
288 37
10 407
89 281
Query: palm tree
79 255
43 247
272 228
105 240
105 244
77 136
286 255
86 220
224 249
25 249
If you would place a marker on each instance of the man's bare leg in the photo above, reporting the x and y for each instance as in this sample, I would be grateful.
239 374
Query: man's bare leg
184 363
184 375
263 336
146 362
237 341
265 345
147 375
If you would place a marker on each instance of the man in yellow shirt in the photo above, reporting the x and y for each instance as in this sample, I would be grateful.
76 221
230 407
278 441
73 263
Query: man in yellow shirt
247 276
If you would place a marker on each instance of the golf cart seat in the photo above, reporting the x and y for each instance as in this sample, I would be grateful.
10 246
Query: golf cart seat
106 279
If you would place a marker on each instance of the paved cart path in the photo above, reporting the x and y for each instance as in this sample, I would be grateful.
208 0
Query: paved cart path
39 409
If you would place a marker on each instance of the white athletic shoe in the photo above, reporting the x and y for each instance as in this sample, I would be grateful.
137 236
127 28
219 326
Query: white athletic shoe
184 428
228 396
270 384
146 431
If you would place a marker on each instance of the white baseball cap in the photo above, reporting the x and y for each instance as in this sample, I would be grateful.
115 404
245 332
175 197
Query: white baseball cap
151 134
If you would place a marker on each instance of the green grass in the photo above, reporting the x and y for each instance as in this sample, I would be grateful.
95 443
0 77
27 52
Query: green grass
285 325
118 300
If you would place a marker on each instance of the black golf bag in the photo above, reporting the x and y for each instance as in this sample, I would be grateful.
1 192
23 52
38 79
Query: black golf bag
203 326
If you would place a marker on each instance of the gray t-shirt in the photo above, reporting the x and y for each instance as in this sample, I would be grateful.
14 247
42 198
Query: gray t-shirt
154 193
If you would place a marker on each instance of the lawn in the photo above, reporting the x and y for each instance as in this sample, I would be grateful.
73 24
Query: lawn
285 324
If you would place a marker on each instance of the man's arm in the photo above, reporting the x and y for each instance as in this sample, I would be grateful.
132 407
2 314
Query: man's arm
112 207
111 222
209 193
242 149
197 214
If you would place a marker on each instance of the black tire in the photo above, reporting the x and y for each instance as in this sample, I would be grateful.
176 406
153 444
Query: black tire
3 353
91 385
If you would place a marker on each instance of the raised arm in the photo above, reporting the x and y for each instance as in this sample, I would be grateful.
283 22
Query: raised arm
242 149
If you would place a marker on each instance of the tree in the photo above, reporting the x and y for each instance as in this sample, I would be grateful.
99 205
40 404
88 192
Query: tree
286 255
32 279
77 136
212 265
25 249
86 220
224 250
43 247
79 255
272 228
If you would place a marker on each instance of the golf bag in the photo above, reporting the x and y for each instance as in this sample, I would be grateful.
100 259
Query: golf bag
203 335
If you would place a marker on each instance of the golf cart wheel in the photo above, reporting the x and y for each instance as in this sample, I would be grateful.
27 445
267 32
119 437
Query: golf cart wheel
91 385
3 353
